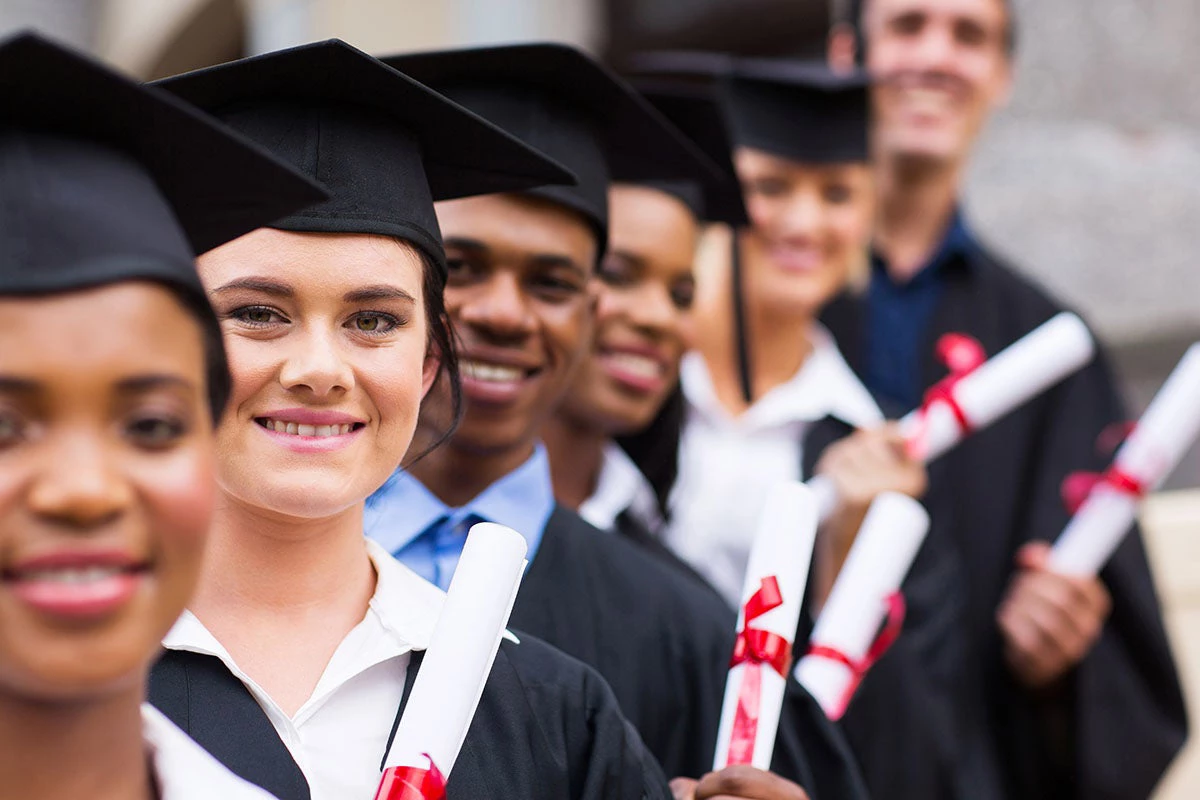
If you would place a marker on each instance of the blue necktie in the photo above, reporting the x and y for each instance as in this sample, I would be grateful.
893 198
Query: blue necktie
435 552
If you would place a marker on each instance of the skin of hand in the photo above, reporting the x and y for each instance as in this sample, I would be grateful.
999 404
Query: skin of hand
740 782
862 466
1049 622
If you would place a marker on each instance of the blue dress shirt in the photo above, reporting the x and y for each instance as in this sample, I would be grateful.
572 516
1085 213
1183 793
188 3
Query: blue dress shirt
428 536
898 319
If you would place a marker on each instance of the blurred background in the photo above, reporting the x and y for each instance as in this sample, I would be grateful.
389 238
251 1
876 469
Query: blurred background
1090 180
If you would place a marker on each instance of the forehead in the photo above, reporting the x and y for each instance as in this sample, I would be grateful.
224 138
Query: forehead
994 11
313 263
647 220
518 227
123 328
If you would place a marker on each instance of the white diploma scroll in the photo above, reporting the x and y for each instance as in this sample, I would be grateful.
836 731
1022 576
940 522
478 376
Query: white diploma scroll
461 651
1156 446
782 552
1015 375
882 553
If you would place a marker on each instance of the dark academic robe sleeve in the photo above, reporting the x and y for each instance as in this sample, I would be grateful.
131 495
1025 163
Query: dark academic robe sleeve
1120 718
663 642
547 727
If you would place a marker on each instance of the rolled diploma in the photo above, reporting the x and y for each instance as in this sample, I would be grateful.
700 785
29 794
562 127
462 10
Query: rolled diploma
883 551
461 651
1156 446
1012 377
782 548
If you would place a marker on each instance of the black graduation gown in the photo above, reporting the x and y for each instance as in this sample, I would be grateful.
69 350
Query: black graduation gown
1121 718
905 723
663 641
547 727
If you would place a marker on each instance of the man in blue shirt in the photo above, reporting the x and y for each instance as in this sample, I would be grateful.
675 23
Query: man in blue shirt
520 299
1077 693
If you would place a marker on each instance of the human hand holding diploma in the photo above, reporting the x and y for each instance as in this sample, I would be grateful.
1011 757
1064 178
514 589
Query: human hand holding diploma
846 641
776 576
456 666
977 393
1154 448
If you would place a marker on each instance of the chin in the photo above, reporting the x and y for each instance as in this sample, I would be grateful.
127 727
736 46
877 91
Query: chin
75 672
307 496
485 438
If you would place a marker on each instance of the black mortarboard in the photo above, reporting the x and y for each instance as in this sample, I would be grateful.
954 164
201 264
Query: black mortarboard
799 110
563 102
695 111
385 145
103 180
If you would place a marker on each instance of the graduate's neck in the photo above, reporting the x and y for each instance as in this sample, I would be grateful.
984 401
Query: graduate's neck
778 340
457 472
576 451
64 751
917 202
274 564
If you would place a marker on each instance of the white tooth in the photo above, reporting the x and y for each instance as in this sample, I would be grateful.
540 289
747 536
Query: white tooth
305 430
280 427
638 365
491 372
324 430
291 428
342 430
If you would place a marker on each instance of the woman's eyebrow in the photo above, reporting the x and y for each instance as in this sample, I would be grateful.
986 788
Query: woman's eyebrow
146 383
17 385
264 285
377 292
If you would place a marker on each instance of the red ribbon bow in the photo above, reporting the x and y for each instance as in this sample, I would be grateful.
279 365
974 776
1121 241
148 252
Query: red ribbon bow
858 669
1078 486
962 355
755 648
412 783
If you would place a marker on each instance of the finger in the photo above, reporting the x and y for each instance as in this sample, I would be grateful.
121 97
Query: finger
1060 640
1067 610
1033 555
683 789
743 781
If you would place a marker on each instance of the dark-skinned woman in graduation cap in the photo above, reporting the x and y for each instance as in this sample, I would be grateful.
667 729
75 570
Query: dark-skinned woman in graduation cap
292 663
767 396
112 376
521 298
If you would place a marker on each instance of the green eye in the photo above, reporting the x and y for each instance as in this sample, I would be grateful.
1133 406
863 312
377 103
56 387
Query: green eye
375 323
367 323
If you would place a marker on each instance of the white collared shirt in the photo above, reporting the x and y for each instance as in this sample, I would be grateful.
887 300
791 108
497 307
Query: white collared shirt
185 770
728 464
339 736
620 487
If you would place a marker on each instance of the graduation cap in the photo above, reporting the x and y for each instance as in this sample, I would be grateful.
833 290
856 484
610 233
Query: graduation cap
565 103
799 110
696 112
385 145
103 180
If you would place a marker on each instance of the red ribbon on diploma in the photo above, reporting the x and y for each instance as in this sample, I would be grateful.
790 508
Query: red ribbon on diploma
962 355
1078 486
859 669
412 783
755 648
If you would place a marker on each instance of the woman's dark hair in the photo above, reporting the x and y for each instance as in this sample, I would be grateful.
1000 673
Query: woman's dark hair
442 340
655 449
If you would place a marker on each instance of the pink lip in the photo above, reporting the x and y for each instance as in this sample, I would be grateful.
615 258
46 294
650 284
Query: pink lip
307 416
633 380
312 444
76 601
796 259
493 392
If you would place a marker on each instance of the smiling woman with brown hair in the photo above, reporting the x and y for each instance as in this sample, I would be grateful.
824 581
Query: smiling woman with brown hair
112 376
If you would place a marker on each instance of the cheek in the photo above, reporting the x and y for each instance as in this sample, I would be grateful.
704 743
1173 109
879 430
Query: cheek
394 379
763 212
180 493
253 365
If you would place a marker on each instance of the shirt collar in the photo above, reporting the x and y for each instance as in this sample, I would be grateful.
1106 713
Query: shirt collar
184 769
956 248
523 500
620 487
823 386
404 604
